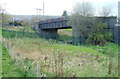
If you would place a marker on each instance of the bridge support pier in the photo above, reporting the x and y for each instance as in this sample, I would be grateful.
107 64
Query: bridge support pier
117 34
78 37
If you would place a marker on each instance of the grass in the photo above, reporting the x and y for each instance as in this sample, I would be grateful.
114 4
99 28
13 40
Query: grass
8 67
0 60
19 28
79 61
0 55
65 35
110 49
11 68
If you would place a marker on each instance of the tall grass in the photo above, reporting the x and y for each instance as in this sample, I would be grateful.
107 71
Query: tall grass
39 57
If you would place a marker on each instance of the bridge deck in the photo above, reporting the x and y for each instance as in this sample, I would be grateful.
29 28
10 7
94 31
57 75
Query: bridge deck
56 23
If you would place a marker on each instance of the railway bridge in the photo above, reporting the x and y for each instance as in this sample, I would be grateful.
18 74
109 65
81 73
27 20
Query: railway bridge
49 28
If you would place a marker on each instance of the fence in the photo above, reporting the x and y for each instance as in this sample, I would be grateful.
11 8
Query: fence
21 34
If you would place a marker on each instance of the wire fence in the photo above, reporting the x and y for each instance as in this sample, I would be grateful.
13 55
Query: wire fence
21 34
18 34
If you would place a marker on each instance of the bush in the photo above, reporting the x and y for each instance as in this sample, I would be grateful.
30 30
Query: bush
15 23
96 39
99 35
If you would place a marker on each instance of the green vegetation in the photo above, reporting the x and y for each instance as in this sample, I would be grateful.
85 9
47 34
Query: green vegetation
0 61
98 35
11 68
0 55
19 28
55 58
65 35
94 29
8 67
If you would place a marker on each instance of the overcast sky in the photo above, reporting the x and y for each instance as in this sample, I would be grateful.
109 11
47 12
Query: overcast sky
52 7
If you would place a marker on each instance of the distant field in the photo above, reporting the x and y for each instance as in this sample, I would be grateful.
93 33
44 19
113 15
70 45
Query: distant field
19 28
65 34
55 58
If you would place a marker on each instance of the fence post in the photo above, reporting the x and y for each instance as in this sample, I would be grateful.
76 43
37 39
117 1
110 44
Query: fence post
38 69
22 62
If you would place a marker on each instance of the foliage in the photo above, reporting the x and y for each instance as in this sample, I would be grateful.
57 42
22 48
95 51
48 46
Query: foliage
82 17
15 23
65 14
19 23
82 22
97 39
90 27
98 35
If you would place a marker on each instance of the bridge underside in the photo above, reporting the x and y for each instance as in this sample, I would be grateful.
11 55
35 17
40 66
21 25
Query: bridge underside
49 28
50 33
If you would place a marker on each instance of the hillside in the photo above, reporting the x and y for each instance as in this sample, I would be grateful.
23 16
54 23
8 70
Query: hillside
22 17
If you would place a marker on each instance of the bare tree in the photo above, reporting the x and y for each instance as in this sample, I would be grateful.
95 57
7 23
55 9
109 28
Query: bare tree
81 19
1 12
82 16
84 9
4 17
105 11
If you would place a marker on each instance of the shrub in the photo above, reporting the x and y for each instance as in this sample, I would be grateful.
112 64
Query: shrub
15 23
99 35
96 39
